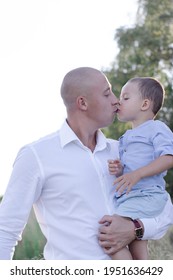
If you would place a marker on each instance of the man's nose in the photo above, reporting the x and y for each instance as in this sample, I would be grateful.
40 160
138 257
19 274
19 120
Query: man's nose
115 100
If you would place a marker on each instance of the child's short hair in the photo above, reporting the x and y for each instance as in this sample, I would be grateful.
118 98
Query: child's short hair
150 88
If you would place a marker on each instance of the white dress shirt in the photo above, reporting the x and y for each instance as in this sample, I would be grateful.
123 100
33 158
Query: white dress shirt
71 190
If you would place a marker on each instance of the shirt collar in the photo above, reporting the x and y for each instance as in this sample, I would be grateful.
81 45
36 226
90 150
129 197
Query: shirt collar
67 135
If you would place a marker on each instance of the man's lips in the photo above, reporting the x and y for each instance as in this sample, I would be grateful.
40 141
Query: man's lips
117 111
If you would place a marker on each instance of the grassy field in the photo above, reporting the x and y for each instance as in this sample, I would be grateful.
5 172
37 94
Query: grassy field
162 249
33 241
31 246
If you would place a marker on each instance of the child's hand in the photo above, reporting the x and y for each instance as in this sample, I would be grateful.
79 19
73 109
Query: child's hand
115 167
127 181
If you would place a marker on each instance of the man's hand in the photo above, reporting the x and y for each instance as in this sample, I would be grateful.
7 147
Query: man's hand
115 233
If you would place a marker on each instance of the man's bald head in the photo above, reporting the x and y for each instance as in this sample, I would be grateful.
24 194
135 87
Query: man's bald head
79 81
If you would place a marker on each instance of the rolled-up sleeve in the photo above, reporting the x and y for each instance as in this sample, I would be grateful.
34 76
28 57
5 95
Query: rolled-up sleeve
163 140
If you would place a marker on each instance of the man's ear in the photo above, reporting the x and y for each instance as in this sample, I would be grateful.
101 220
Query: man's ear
145 104
82 103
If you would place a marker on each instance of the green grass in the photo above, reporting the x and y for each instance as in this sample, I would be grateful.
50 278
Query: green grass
31 246
32 243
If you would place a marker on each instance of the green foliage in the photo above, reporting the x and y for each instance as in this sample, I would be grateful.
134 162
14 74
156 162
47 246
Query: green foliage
146 49
32 243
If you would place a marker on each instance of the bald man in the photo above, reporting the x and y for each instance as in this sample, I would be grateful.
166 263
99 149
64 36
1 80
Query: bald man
65 177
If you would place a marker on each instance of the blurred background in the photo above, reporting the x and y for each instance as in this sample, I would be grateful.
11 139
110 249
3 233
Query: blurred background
44 39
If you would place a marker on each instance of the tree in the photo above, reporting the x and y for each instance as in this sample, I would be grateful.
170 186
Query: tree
146 49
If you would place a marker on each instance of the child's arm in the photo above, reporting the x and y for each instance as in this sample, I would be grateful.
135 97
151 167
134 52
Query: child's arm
128 180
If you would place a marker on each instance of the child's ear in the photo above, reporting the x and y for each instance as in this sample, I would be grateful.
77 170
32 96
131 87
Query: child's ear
145 104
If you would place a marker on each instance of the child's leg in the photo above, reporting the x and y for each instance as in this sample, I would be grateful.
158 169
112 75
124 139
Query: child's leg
123 254
139 250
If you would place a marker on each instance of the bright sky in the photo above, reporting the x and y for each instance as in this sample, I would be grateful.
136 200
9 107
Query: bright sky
41 40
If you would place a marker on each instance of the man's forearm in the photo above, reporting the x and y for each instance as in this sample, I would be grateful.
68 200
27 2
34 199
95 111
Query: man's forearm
6 247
